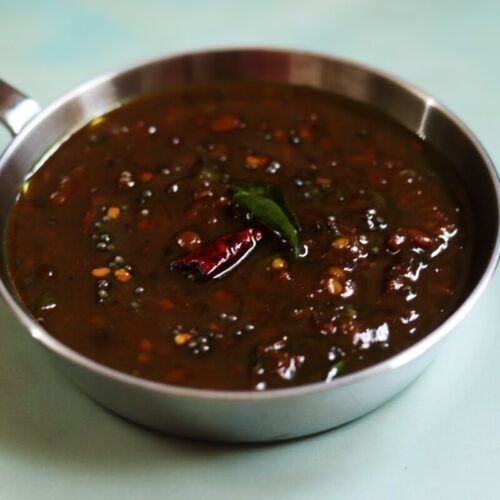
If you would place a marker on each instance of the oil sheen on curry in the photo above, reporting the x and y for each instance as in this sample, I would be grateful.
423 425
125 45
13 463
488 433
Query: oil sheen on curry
240 237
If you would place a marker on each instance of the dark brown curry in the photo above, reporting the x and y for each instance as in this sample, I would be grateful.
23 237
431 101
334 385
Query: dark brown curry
240 236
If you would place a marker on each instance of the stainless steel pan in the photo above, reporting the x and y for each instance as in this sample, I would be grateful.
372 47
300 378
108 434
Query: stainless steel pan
275 414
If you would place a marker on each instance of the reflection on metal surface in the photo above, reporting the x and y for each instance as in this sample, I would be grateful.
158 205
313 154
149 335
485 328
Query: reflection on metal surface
16 110
421 130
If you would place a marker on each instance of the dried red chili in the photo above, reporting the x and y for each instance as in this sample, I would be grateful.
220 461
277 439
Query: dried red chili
220 256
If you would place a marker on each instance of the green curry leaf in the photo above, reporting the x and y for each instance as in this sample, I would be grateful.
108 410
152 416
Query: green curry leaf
339 366
45 302
281 200
268 204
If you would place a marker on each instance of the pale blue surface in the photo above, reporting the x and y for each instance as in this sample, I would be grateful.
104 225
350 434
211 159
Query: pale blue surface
438 440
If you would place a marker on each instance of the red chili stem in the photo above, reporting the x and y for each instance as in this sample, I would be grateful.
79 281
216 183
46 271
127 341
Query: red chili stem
220 256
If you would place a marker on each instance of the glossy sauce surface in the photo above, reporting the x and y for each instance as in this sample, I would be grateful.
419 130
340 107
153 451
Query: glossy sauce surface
93 235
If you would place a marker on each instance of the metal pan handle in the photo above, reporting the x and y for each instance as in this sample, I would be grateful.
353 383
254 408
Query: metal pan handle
16 109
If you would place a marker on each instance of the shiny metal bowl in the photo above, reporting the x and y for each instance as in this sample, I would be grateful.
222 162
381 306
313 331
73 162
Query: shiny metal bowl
246 415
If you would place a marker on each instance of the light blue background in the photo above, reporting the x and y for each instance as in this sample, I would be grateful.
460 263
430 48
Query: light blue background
438 440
